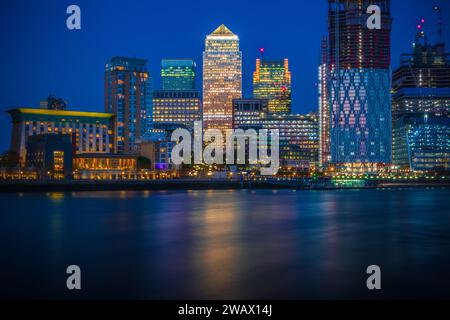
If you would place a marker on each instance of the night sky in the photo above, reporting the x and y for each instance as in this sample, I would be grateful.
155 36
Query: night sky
39 55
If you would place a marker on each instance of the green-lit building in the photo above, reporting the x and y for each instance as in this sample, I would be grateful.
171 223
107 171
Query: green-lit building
178 103
91 132
272 81
178 74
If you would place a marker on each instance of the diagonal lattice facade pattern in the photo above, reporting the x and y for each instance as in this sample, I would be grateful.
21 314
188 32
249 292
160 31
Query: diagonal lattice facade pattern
360 116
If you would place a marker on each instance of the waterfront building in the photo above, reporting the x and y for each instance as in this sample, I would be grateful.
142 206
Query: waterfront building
272 81
422 142
91 132
222 78
421 105
178 74
128 95
359 83
299 138
158 145
324 106
109 167
248 113
50 155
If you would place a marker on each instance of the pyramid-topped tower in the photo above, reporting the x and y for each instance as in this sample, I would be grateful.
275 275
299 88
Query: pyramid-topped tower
222 30
222 78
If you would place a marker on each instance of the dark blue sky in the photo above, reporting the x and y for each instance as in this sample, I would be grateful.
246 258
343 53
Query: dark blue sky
39 55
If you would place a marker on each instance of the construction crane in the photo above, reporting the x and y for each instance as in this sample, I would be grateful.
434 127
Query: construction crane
438 10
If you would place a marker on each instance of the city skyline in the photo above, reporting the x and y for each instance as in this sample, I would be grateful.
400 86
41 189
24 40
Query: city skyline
304 81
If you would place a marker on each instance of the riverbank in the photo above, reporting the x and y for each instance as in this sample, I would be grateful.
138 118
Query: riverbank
198 184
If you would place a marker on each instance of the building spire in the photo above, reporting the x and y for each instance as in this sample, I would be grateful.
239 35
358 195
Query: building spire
222 30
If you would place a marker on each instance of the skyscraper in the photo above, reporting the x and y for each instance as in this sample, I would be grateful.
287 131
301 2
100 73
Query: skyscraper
360 83
178 74
272 81
128 94
324 106
179 101
222 78
421 108
422 82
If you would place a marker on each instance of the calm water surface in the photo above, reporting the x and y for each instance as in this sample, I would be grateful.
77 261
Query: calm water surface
226 244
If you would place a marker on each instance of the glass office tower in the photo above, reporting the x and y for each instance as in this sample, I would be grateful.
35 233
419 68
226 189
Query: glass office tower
360 83
178 74
222 78
421 108
272 81
178 103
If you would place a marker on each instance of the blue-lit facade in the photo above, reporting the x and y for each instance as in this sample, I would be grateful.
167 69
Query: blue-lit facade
421 108
359 83
128 95
423 142
361 116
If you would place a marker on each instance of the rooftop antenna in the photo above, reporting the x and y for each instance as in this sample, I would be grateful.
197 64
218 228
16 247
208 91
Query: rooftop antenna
420 32
261 51
438 10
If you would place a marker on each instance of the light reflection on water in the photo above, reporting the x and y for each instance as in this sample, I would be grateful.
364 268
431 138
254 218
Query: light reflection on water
227 244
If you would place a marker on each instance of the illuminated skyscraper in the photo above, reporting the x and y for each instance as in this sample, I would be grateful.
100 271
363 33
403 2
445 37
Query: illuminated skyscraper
324 107
272 81
422 82
179 101
222 78
421 107
360 83
178 74
128 95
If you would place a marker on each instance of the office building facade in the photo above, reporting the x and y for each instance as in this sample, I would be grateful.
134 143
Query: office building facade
178 74
422 143
299 138
359 83
178 102
177 107
421 105
272 81
222 78
249 113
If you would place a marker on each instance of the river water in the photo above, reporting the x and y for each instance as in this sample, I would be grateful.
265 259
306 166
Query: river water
226 244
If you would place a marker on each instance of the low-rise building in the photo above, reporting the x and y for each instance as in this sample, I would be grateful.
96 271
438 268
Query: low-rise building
90 132
50 156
